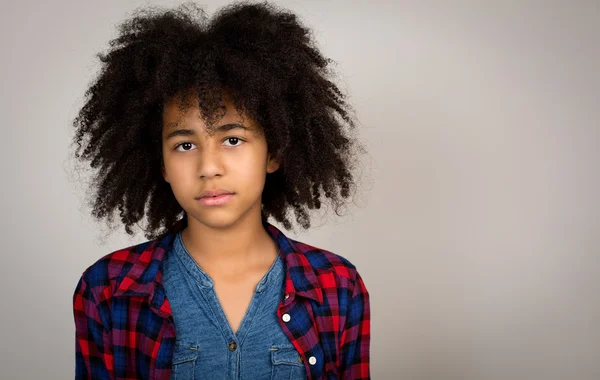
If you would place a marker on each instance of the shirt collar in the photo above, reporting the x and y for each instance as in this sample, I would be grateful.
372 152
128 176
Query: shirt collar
145 275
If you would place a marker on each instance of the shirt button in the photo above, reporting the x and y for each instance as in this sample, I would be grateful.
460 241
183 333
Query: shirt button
312 360
287 296
232 346
286 317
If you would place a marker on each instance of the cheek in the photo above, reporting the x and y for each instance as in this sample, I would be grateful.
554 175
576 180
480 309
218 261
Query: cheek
251 168
179 174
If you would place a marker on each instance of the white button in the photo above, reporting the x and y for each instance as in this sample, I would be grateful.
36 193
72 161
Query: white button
312 360
287 296
286 317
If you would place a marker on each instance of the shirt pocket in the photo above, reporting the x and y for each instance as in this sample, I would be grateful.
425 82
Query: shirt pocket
184 361
286 363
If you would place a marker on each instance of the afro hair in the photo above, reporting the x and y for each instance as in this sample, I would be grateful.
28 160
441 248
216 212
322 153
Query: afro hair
259 54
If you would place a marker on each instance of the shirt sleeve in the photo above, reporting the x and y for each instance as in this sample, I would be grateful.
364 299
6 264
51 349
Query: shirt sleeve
356 337
93 351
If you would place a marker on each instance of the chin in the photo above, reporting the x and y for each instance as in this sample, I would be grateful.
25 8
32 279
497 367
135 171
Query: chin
218 219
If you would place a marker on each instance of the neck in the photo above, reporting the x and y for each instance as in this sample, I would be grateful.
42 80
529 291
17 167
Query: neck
240 245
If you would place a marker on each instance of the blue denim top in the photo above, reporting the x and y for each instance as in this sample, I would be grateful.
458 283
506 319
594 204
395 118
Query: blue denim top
206 347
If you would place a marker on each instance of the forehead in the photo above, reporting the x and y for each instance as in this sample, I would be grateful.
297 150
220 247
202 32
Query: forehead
179 112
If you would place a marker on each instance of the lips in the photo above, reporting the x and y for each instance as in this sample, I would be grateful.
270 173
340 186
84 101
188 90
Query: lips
214 193
218 200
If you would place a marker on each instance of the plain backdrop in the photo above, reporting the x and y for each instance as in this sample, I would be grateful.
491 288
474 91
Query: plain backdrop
477 231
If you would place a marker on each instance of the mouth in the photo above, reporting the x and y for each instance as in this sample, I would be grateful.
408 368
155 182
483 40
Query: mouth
214 193
215 200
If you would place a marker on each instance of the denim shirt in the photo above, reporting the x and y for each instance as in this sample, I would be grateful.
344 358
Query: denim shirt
206 347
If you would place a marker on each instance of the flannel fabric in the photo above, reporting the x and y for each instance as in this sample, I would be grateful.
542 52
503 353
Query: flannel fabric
125 330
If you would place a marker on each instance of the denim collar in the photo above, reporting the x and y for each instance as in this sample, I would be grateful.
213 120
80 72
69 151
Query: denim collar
144 277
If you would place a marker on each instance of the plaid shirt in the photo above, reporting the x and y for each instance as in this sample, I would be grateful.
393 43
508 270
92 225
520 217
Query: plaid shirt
125 330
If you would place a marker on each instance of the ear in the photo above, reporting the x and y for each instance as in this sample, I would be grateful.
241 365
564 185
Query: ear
272 163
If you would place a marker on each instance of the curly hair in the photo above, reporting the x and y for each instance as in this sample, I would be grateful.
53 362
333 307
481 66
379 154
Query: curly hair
259 54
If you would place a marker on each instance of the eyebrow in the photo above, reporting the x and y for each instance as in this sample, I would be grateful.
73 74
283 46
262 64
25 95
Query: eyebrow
192 132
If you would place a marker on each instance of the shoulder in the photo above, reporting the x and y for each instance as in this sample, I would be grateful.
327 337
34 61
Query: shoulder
328 263
107 272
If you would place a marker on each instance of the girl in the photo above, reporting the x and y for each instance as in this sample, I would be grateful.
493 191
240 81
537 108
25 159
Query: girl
208 128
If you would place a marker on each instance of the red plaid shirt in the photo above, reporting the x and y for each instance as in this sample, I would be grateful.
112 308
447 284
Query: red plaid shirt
125 330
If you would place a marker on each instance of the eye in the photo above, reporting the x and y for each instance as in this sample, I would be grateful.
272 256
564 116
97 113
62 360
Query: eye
234 141
186 144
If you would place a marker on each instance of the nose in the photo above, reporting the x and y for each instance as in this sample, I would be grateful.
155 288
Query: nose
210 164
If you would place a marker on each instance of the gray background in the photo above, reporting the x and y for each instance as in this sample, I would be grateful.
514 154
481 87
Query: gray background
477 233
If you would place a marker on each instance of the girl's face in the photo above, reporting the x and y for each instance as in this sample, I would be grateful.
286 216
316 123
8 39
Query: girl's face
232 158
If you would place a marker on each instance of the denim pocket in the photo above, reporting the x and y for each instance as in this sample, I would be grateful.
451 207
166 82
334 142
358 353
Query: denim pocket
184 361
286 363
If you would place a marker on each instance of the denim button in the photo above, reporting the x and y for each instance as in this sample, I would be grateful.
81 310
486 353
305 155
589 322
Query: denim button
232 346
